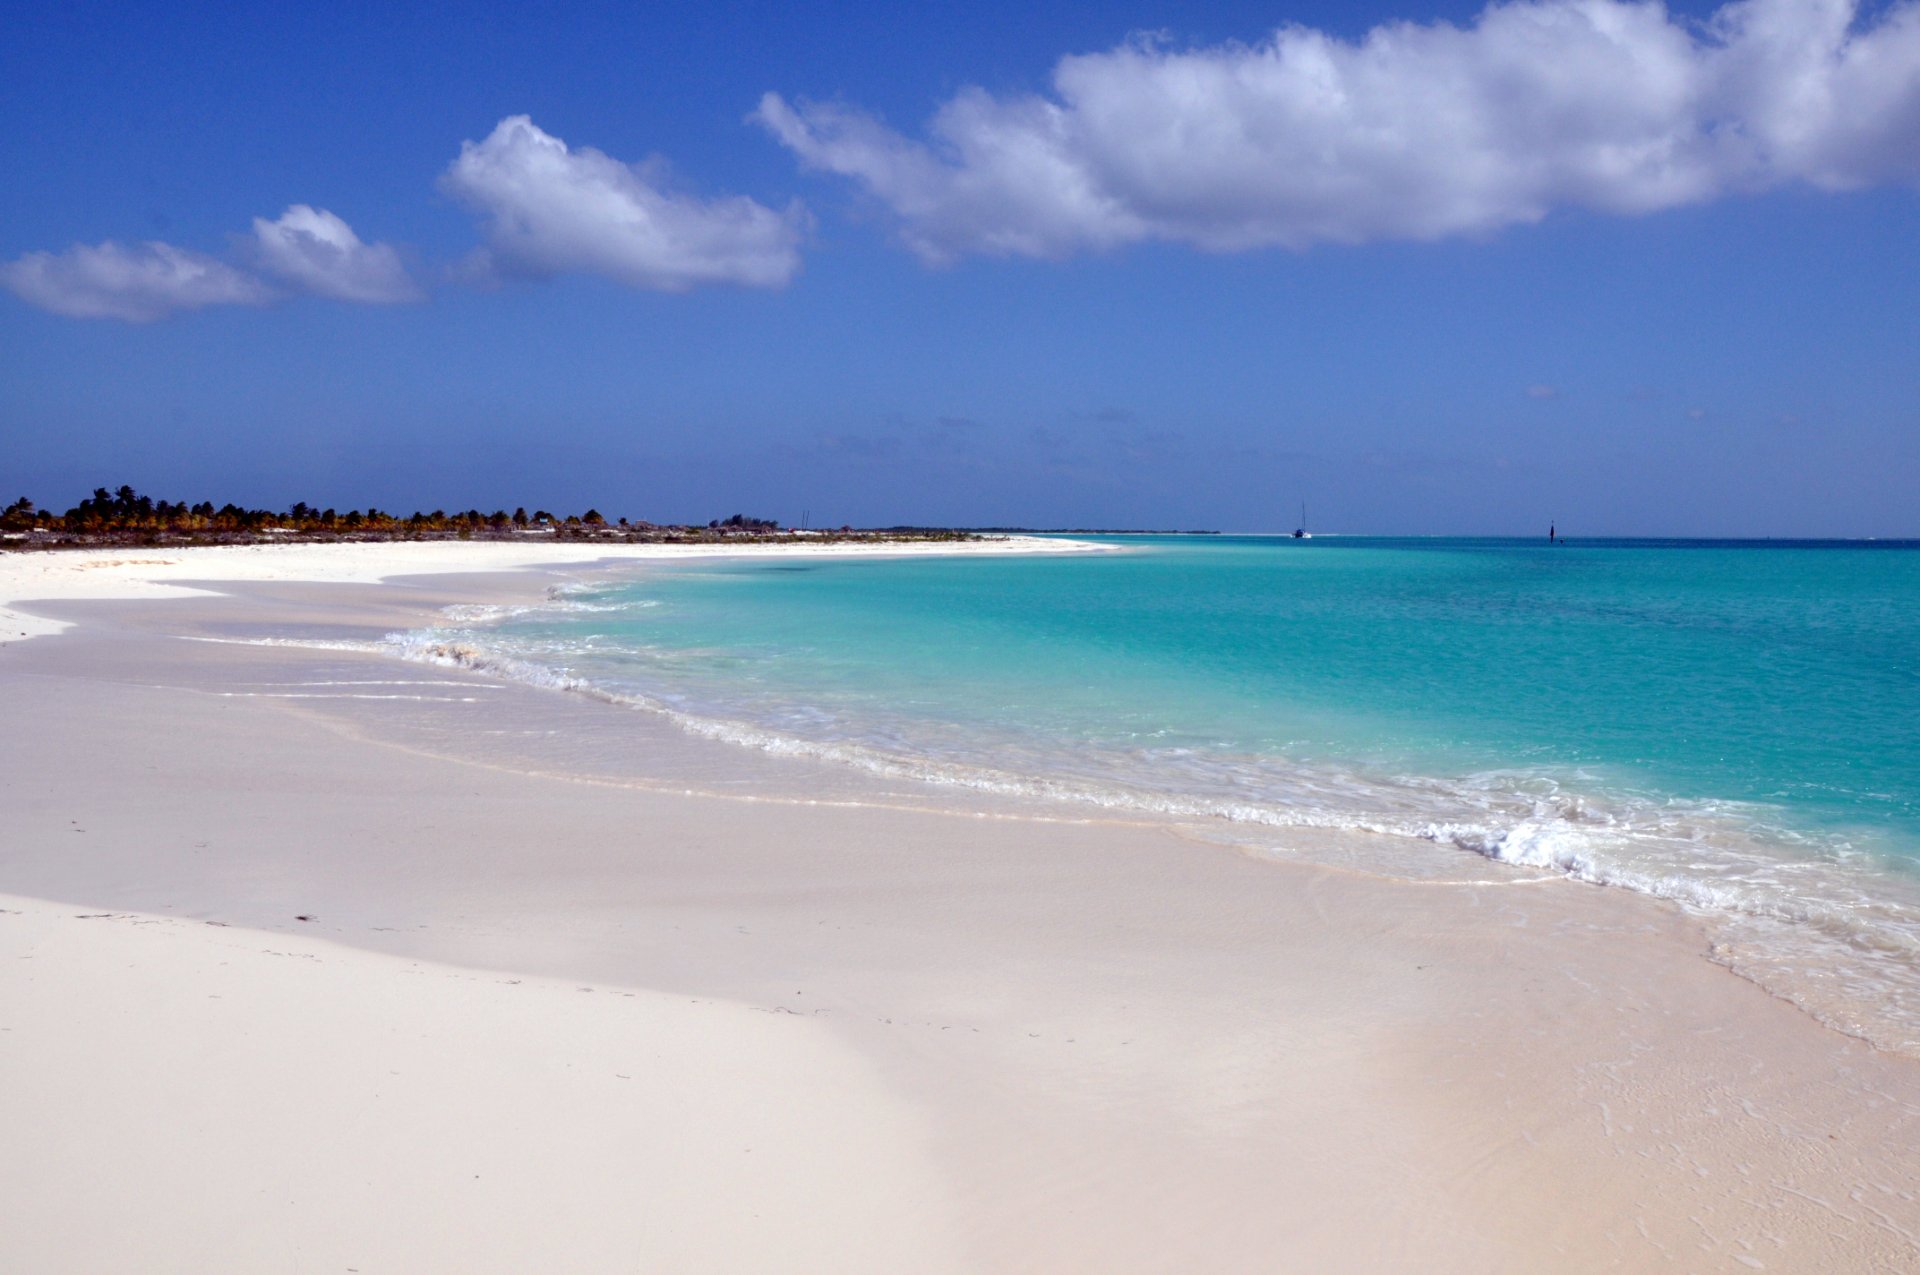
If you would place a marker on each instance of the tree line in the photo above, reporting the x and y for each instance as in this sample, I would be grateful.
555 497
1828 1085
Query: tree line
127 514
126 510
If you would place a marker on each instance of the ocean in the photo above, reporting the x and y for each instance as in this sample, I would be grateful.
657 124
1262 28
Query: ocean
1732 726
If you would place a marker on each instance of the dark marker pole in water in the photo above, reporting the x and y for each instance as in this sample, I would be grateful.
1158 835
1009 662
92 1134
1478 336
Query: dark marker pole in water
1551 536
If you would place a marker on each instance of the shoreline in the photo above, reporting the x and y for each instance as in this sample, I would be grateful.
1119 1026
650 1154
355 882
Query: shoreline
1186 1053
180 571
1852 981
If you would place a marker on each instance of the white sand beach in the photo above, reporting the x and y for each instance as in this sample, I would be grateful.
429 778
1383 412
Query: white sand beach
289 983
121 574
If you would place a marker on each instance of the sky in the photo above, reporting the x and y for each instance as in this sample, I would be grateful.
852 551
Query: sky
1425 268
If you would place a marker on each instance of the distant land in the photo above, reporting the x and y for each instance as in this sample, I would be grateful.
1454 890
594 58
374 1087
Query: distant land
124 516
1067 531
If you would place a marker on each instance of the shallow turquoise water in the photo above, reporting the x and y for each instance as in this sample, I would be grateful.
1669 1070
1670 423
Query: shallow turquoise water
1780 675
1733 725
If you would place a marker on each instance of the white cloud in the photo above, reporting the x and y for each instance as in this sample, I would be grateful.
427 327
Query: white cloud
307 250
1543 391
315 251
139 284
552 210
1412 132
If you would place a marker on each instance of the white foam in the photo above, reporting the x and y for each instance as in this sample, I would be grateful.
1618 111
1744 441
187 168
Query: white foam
310 644
1796 910
427 699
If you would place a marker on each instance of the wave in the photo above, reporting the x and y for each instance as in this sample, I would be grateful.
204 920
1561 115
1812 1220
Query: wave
1832 928
558 602
311 644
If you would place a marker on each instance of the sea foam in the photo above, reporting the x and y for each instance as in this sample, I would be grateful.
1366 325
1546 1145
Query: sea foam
1820 914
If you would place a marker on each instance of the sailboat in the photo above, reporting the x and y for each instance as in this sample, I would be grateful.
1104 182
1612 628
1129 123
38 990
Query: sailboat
1301 532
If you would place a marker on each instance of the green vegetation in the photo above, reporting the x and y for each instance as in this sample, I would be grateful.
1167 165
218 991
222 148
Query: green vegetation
127 517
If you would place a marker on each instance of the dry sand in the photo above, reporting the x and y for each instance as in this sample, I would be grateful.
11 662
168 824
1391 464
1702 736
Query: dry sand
162 572
678 1017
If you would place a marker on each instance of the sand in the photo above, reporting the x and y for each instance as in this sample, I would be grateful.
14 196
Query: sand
190 1098
163 572
675 1014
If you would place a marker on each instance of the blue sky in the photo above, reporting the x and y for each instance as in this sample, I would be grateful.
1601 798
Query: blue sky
1424 268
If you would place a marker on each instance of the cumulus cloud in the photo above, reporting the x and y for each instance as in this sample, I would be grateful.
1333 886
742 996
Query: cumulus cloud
306 250
314 251
1415 131
550 210
139 284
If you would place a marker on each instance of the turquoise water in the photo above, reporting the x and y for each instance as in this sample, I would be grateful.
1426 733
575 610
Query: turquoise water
1735 726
